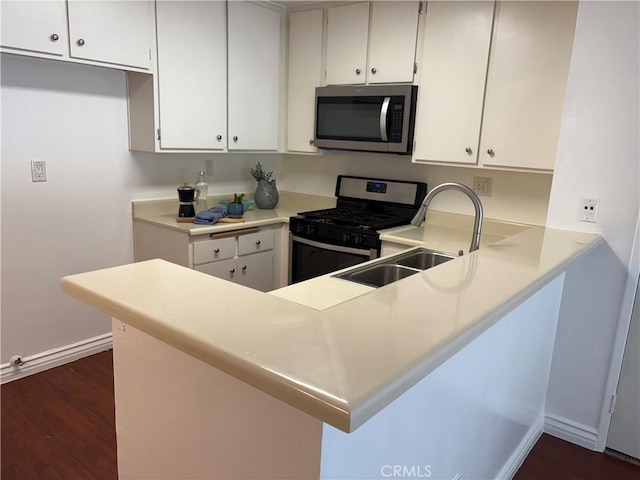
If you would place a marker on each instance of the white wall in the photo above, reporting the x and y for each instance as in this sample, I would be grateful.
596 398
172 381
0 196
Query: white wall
518 197
74 117
598 156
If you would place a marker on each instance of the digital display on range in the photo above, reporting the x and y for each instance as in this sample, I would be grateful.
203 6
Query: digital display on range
376 187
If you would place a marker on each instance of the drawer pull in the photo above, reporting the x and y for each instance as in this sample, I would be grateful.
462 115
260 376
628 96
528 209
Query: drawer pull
244 267
217 250
258 242
233 270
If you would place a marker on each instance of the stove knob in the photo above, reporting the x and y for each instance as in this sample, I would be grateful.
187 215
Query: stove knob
309 230
356 239
345 237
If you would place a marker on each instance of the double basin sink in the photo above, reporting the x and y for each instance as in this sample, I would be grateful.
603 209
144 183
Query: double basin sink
390 269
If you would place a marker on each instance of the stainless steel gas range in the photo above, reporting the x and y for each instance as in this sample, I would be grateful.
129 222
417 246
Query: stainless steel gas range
323 241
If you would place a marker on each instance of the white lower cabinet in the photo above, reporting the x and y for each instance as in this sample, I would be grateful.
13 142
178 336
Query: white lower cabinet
247 259
256 259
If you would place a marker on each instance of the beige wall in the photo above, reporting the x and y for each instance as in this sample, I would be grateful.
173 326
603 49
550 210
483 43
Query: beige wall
517 197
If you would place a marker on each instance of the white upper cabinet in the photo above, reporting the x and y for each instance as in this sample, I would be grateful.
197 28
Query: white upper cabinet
254 76
192 74
117 32
526 67
452 76
305 66
347 39
392 44
35 26
526 83
387 41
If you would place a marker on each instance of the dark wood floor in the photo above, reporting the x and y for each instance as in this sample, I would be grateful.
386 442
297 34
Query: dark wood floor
59 424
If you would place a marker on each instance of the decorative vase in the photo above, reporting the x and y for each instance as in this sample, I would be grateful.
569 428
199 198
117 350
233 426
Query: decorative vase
266 195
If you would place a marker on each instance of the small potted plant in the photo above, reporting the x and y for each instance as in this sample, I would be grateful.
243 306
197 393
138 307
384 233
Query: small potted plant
266 195
235 207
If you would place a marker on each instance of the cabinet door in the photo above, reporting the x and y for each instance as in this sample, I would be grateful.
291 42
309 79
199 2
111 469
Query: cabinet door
453 69
392 41
35 26
111 31
225 269
347 38
192 74
254 76
256 271
526 83
305 65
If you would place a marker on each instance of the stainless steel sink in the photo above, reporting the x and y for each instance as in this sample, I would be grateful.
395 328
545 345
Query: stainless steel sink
378 275
392 269
423 259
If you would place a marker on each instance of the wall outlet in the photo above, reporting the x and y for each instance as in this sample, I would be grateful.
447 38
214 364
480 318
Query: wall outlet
38 171
208 168
482 186
588 210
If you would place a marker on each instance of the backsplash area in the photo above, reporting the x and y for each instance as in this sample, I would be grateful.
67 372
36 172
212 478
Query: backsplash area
516 196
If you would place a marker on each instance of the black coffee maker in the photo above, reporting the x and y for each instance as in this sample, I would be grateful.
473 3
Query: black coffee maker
188 196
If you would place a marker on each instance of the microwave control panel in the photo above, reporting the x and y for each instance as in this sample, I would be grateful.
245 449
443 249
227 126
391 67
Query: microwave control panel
397 113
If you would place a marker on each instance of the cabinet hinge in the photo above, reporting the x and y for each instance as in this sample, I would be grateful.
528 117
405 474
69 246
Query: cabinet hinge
612 404
158 134
420 10
415 68
149 54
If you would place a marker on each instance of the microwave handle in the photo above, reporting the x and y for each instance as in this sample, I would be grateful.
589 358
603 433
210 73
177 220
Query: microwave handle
383 119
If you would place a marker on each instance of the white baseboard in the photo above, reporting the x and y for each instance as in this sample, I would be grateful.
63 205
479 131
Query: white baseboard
55 357
517 458
571 431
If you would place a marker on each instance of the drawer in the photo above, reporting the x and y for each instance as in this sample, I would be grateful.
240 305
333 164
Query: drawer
255 242
211 250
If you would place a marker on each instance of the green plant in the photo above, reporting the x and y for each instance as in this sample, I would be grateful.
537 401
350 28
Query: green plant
237 198
259 174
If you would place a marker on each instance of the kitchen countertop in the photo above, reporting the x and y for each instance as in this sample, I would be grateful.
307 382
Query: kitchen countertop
164 212
343 363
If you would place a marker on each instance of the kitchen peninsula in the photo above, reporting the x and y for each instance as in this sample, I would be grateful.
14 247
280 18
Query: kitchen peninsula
445 369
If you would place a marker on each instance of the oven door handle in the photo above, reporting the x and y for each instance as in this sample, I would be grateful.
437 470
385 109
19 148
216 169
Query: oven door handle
333 248
383 119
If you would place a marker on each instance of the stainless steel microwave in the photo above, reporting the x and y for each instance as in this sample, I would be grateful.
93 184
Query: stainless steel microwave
372 118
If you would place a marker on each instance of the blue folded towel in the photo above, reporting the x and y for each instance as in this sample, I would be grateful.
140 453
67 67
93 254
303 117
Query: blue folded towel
211 216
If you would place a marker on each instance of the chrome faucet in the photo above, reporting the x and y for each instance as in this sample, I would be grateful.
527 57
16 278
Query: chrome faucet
477 225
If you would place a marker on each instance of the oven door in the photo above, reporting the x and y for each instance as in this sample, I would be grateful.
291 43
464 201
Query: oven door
309 258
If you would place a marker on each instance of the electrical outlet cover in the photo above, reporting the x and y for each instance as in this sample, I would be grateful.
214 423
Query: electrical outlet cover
588 210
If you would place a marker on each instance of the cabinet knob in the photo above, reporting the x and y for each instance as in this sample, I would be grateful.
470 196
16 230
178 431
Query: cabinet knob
490 152
374 71
233 270
358 71
258 242
219 137
55 37
244 267
217 250
468 150
311 141
80 42
235 139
